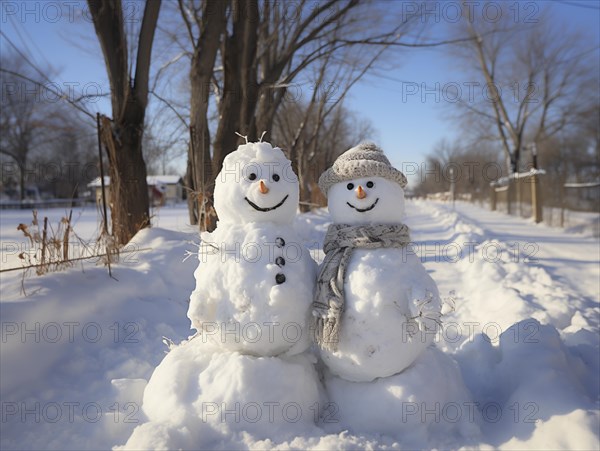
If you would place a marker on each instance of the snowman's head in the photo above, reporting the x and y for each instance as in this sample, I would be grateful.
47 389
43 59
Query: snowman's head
256 184
362 187
367 200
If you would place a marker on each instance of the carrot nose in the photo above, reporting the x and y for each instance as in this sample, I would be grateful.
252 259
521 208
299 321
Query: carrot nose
360 192
263 188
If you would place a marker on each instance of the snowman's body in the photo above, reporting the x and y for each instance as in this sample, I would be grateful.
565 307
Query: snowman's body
379 336
197 399
426 403
255 279
244 370
254 290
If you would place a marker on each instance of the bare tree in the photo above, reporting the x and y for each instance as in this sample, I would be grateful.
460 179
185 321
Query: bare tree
470 166
122 136
263 49
205 24
248 57
320 119
27 119
68 160
531 81
318 141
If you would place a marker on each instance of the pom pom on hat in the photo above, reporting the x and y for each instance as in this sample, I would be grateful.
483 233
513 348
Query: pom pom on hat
364 160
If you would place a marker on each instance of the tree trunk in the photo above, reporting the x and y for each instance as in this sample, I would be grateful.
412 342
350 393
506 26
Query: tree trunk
230 106
248 72
129 202
199 176
122 138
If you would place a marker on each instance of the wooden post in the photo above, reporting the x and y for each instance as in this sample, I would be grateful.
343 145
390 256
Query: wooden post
104 212
562 202
510 196
102 184
536 201
452 187
518 181
493 198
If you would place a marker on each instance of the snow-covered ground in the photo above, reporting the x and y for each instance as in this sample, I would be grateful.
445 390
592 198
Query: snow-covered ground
76 352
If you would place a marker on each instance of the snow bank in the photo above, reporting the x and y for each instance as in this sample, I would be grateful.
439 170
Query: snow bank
524 334
77 352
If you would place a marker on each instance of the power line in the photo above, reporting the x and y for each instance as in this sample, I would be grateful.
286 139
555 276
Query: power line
16 25
27 60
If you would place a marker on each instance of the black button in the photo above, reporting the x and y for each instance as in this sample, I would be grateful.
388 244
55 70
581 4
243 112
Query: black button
280 242
280 278
280 261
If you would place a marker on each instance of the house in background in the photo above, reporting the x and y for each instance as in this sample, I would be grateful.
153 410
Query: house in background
162 189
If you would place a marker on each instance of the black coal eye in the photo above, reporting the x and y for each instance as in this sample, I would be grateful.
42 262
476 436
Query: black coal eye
252 176
275 177
370 184
350 186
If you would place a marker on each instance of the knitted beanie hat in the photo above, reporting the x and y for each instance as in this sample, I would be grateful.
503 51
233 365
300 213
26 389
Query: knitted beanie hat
364 160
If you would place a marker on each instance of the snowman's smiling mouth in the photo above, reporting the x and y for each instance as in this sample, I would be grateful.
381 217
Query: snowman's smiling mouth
256 207
362 210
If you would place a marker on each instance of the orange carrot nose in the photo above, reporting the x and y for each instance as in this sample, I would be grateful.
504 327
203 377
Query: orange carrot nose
263 188
360 192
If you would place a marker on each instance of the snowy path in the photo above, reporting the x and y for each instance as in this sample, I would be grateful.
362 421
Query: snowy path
513 251
503 275
524 331
569 258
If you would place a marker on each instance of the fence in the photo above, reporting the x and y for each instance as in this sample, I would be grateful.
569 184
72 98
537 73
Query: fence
549 199
519 194
48 203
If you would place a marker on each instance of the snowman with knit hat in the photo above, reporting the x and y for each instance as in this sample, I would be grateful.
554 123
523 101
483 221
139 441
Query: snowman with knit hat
377 310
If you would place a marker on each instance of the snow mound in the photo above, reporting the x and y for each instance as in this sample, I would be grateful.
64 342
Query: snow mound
529 380
425 405
197 398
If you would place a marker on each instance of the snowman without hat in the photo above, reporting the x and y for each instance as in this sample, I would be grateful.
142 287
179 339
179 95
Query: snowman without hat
251 308
255 280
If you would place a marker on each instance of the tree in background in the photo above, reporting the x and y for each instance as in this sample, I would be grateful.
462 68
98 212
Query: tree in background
69 160
205 24
27 119
163 140
531 81
123 135
313 143
263 48
471 167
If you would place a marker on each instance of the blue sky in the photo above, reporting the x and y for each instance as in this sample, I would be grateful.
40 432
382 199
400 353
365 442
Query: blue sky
407 127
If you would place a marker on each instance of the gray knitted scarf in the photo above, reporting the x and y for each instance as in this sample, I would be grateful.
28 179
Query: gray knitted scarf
340 241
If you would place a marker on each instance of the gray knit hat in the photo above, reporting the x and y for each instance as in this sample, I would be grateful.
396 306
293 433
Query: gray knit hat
364 160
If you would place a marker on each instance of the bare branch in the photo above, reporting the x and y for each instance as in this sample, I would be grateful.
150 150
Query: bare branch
53 91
